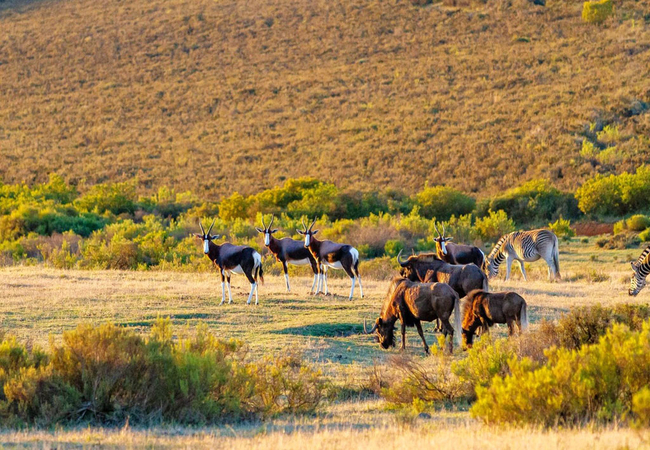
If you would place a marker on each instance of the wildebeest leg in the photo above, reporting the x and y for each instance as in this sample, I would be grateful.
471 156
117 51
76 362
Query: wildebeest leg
448 330
286 275
418 325
403 336
228 285
523 271
511 326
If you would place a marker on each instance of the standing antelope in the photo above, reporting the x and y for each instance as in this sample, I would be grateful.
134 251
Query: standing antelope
231 259
525 246
331 254
641 268
457 253
288 251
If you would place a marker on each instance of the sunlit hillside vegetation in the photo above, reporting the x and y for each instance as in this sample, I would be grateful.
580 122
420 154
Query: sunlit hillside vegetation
222 96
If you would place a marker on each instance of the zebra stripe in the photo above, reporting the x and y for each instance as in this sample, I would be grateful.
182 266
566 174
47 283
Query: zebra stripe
641 268
525 246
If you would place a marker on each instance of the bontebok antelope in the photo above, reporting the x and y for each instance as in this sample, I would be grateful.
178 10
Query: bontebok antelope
288 251
231 259
331 254
641 268
457 253
525 246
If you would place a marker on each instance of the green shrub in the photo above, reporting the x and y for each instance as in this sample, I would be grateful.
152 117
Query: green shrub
116 198
638 222
645 235
442 202
393 247
615 194
641 406
495 225
234 207
597 11
595 383
562 228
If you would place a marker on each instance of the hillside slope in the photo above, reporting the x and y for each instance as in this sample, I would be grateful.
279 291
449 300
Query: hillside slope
217 96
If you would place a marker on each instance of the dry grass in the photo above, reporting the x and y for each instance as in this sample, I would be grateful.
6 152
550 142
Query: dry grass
365 93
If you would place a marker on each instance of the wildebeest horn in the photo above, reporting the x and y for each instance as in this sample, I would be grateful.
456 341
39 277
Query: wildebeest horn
211 226
401 263
201 225
435 225
374 327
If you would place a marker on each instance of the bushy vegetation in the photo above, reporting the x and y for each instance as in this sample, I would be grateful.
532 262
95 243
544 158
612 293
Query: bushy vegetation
457 103
108 375
597 11
615 195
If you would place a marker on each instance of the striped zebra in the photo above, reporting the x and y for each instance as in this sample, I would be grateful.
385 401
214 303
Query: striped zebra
525 246
641 268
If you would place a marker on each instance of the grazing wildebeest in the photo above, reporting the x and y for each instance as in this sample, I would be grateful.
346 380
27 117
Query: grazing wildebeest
483 309
412 303
462 278
525 246
457 253
641 268
231 259
288 251
330 254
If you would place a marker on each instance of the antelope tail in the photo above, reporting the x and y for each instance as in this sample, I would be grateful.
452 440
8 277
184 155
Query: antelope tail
524 318
457 324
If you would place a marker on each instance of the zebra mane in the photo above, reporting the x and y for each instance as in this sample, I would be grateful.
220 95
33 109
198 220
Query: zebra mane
643 258
498 245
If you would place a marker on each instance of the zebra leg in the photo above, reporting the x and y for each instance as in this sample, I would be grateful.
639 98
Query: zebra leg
508 267
523 271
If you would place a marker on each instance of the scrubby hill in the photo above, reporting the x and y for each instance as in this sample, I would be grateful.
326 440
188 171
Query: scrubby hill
216 96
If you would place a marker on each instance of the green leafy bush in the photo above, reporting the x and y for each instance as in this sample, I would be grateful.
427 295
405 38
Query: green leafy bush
442 202
615 194
645 235
595 383
562 228
597 11
116 198
493 226
638 222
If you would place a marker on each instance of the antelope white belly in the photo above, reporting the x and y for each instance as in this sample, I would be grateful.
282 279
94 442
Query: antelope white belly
336 265
238 270
299 262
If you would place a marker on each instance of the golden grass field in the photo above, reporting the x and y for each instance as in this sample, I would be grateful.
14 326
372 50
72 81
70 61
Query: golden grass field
38 302
364 93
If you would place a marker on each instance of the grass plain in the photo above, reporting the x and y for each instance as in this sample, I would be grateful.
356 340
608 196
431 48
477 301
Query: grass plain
37 303
222 96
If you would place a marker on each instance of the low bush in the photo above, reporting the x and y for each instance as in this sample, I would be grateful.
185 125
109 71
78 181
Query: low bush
493 226
619 241
441 202
645 235
615 194
562 228
597 11
599 382
106 375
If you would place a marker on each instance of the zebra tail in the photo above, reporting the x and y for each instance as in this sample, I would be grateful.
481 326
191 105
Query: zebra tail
457 324
556 259
524 317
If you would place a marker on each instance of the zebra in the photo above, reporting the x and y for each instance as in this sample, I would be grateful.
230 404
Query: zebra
641 268
525 246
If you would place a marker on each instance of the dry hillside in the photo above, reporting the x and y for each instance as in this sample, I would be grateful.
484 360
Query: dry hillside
216 96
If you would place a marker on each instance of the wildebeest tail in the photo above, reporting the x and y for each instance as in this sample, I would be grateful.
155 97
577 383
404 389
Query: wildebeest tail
457 324
556 258
524 317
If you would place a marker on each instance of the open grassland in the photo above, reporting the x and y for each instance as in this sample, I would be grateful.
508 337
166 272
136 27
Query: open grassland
217 96
38 302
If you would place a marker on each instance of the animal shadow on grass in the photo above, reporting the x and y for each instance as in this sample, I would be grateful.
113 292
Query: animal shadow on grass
324 330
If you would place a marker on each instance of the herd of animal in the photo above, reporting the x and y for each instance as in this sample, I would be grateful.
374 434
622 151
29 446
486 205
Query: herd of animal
429 286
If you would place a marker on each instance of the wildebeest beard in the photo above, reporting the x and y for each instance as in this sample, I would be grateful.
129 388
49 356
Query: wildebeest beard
386 336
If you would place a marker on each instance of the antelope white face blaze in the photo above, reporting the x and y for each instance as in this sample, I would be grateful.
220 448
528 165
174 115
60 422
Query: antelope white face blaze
206 246
443 246
267 238
307 240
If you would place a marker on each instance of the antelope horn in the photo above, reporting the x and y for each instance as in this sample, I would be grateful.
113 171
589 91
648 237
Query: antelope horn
302 219
263 224
374 327
401 263
312 224
272 219
444 229
435 225
211 226
201 225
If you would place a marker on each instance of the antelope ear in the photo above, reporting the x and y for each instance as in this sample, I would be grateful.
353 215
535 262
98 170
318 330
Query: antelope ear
300 232
200 236
259 230
448 239
314 232
215 236
273 231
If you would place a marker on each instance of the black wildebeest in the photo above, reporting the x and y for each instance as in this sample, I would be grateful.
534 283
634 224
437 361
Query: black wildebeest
231 259
412 303
457 253
288 251
462 278
331 254
483 309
